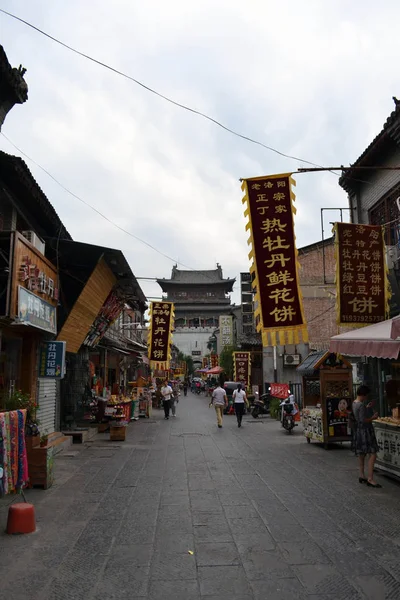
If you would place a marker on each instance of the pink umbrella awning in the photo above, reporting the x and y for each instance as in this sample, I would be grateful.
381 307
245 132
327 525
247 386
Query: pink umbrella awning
215 371
375 340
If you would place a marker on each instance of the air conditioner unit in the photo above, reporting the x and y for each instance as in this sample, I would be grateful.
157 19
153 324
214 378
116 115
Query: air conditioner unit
35 240
291 360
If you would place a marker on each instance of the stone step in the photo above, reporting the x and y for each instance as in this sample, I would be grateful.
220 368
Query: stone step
58 442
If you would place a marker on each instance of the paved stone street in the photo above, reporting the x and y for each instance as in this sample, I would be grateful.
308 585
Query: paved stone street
265 515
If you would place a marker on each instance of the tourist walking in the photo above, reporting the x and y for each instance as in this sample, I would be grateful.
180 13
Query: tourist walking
219 400
239 398
364 436
166 392
174 398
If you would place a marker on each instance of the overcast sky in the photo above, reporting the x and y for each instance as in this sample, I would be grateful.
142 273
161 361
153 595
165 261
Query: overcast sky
314 79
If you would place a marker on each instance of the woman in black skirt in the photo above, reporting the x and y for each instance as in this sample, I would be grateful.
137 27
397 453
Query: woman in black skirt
364 437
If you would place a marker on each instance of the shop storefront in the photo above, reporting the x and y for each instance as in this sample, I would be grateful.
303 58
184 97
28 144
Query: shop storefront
327 390
380 345
30 319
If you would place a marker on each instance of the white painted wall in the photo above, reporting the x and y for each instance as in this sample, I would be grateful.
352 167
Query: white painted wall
193 339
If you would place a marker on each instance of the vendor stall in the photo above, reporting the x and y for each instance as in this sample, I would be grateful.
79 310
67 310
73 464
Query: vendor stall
380 344
327 397
387 431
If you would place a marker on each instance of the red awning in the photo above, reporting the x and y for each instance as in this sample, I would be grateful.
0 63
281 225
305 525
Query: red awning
214 371
381 340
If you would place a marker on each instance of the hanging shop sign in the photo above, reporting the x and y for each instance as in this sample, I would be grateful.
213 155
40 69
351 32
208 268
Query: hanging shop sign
226 331
34 311
52 360
279 390
362 284
270 210
109 312
160 334
241 367
34 291
205 362
214 360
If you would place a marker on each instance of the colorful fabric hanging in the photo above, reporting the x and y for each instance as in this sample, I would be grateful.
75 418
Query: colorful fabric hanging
13 456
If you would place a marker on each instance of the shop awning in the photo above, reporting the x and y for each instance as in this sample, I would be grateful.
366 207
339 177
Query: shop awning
381 340
214 371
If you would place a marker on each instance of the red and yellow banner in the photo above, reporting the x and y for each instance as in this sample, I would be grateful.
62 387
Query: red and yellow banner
270 210
160 334
362 284
242 367
214 360
279 390
205 363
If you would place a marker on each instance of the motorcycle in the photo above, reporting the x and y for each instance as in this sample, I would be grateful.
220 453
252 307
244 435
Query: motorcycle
260 406
288 421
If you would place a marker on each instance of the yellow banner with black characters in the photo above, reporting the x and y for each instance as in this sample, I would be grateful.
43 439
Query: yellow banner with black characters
270 211
160 334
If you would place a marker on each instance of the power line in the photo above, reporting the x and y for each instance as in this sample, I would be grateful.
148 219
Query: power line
179 104
160 95
94 208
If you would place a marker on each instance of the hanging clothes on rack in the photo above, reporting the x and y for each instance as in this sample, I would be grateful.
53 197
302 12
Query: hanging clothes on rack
13 456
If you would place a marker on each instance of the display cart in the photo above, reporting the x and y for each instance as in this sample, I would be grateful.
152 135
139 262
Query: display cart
327 397
142 396
112 409
387 431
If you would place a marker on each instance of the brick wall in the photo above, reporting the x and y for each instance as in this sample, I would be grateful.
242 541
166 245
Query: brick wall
319 298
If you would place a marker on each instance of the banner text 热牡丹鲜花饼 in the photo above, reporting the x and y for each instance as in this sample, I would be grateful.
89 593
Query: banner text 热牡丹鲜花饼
270 210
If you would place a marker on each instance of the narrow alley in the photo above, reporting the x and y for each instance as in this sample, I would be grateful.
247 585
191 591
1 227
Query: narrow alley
183 510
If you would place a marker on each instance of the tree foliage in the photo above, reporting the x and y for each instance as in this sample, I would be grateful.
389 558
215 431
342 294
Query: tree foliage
226 361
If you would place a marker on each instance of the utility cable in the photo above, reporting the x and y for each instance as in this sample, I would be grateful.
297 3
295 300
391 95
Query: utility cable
160 95
94 208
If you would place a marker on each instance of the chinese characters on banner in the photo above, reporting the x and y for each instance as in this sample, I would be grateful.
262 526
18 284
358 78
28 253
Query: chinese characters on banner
242 366
109 312
270 211
363 290
34 311
226 331
279 390
161 325
205 363
214 360
52 360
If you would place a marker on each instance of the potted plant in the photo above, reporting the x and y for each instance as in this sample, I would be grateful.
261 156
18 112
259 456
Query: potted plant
43 439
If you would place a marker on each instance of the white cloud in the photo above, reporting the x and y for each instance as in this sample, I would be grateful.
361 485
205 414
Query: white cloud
312 79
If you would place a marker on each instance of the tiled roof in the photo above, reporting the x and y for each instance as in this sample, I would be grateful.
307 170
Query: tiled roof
391 130
249 339
196 277
307 367
16 176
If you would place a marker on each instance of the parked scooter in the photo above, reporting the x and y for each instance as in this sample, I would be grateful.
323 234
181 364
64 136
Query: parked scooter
288 412
260 406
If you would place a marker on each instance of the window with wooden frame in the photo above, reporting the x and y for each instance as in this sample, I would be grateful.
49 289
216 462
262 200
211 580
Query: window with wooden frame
386 212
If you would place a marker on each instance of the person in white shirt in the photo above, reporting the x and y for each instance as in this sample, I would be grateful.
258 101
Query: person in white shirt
166 392
289 400
220 400
239 399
